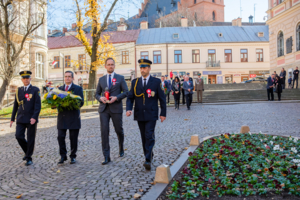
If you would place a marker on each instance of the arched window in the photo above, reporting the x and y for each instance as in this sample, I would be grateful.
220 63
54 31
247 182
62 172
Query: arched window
39 65
214 16
280 44
298 37
195 1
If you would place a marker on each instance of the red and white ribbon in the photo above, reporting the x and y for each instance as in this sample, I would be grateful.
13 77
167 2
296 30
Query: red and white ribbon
114 81
149 93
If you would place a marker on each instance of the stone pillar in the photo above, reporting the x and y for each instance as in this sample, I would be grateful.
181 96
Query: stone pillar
245 129
194 140
163 174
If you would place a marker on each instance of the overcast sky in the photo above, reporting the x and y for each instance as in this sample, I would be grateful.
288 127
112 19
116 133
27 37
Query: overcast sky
60 14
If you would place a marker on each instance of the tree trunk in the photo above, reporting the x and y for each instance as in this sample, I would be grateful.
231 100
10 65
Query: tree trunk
3 90
92 78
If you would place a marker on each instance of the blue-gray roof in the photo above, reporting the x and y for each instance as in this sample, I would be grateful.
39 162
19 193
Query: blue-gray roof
203 34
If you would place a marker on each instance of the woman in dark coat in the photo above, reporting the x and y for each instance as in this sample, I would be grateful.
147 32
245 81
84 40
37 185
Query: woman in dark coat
278 85
176 91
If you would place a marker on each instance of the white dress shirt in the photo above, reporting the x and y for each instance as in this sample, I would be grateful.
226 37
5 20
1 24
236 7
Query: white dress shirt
112 76
68 87
26 87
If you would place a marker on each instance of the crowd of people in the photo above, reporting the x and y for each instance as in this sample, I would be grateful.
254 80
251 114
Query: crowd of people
276 83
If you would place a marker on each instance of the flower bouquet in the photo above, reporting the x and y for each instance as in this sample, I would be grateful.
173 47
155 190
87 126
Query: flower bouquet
166 89
62 100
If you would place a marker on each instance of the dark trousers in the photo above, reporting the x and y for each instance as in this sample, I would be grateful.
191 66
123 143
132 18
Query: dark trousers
117 119
73 135
177 102
296 83
279 96
168 95
26 145
270 92
183 97
188 100
147 129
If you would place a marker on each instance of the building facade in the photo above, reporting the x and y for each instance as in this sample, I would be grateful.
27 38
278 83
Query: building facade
222 54
66 51
284 30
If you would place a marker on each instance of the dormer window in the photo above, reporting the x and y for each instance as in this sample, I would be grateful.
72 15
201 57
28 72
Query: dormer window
173 3
260 34
175 36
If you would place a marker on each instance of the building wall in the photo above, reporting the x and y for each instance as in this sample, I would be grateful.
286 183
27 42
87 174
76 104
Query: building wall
236 68
283 17
56 74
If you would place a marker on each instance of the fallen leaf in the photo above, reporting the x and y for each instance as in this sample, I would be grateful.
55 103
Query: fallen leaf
46 182
152 183
141 190
216 154
19 196
186 119
136 196
125 149
58 171
41 156
185 148
226 136
268 160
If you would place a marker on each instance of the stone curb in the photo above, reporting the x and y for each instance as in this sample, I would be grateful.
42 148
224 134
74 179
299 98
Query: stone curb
158 188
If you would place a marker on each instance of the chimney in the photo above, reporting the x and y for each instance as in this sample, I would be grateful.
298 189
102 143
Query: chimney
239 21
122 27
234 22
122 20
74 25
144 25
251 19
184 22
110 21
65 30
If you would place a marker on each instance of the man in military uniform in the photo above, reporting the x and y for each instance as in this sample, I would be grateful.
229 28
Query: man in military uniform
27 106
146 92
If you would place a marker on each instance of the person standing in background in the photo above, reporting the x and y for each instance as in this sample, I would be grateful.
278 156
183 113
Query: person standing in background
290 82
296 76
270 85
165 86
176 86
282 77
171 75
169 89
278 87
188 91
199 87
192 82
183 95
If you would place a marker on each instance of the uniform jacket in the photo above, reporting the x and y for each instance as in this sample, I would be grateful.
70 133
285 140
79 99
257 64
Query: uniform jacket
149 110
32 107
70 119
119 90
199 85
270 82
186 86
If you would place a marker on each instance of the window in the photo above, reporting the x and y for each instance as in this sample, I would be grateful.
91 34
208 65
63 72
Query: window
67 61
280 44
259 55
175 36
280 1
39 65
144 55
56 58
244 55
195 1
211 57
125 57
40 29
298 37
214 16
228 55
82 62
157 57
213 1
196 56
178 56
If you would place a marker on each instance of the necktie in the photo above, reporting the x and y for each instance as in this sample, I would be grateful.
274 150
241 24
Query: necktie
25 88
145 84
109 81
67 88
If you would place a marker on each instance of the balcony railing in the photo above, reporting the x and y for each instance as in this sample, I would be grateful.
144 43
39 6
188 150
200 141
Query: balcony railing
213 63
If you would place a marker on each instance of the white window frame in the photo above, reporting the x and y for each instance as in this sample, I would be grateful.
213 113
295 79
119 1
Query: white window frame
39 65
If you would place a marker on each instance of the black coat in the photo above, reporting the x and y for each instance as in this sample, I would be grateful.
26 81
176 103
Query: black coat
32 107
70 119
176 96
278 86
149 110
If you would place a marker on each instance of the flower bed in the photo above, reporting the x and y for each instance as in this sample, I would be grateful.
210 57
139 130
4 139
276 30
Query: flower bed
239 165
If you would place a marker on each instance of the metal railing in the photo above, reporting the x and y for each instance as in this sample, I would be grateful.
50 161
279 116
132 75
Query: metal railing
213 63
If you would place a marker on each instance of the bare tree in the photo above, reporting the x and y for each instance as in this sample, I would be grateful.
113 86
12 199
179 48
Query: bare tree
174 19
19 20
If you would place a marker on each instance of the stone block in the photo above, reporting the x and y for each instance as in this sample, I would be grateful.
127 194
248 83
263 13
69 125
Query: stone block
163 174
245 129
194 140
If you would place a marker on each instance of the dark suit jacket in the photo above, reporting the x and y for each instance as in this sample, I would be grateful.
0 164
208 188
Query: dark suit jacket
119 90
149 110
70 119
32 108
269 82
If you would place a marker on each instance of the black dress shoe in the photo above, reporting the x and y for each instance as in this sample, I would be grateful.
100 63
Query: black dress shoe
147 165
29 162
106 161
62 160
121 154
73 161
24 158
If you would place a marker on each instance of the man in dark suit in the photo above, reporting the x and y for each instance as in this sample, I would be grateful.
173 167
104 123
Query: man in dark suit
188 91
282 77
183 95
270 83
28 106
112 108
69 119
169 88
296 76
145 93
192 82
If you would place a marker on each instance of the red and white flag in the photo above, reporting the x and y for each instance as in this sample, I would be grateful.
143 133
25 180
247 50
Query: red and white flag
54 63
